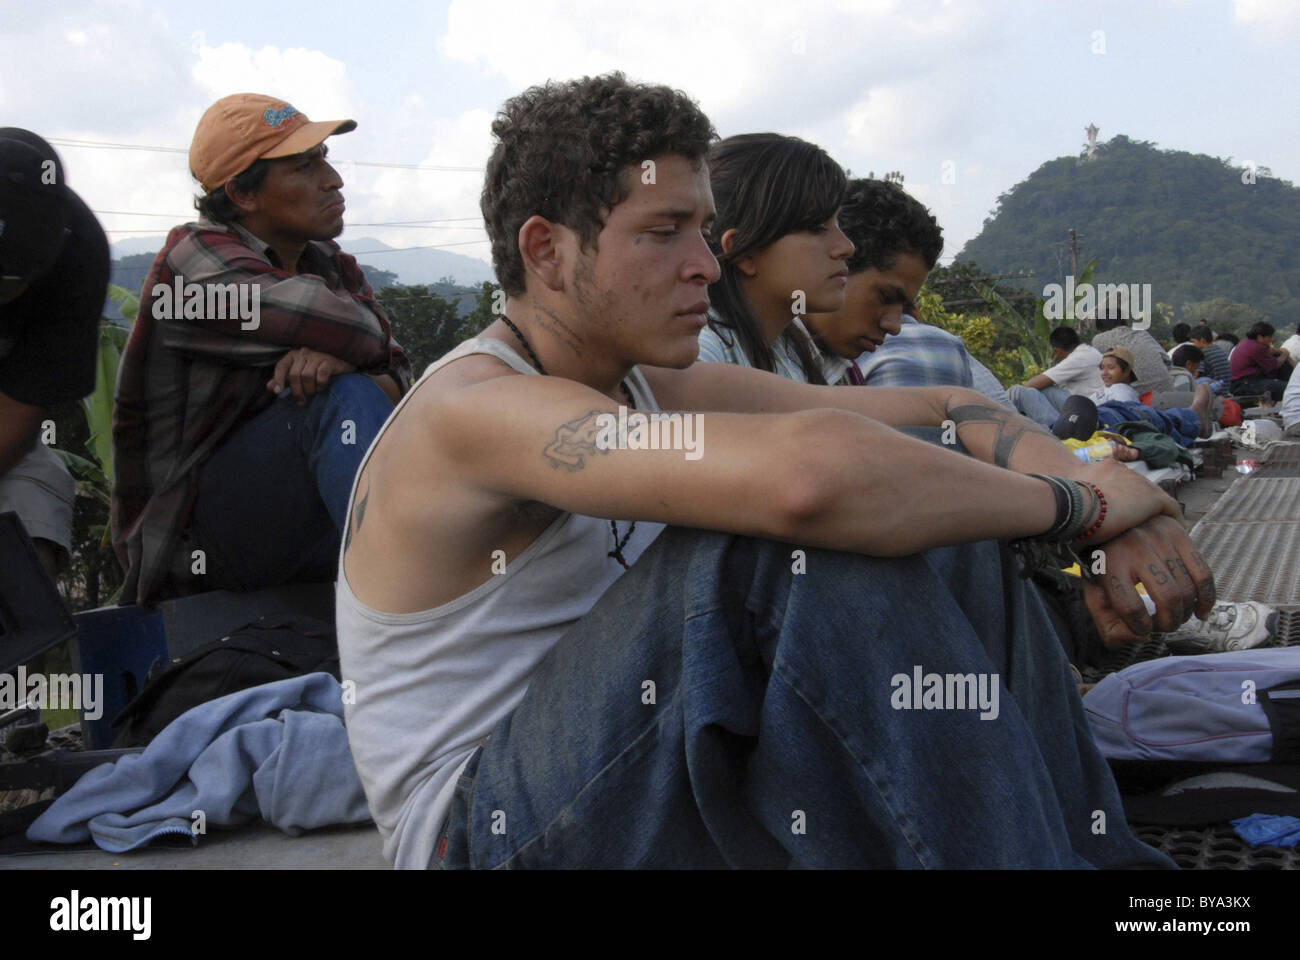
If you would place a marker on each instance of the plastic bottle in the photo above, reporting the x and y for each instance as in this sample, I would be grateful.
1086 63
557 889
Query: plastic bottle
1098 451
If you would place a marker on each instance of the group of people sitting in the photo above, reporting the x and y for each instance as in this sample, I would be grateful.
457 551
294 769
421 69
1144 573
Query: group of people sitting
571 652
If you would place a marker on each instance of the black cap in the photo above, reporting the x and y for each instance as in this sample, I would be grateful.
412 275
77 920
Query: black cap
34 210
1078 420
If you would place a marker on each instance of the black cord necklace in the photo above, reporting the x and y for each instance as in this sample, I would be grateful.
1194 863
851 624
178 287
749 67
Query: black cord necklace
617 552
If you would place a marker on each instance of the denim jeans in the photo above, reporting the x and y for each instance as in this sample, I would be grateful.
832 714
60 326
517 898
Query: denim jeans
1182 424
730 702
273 498
1041 406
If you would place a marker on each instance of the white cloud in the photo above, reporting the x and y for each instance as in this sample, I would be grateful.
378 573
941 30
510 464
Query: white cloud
313 82
1273 15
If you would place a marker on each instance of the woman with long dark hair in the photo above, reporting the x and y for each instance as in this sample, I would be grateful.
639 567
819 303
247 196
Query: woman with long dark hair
781 251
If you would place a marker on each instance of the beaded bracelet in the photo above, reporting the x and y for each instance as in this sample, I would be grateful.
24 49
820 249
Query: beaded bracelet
1101 516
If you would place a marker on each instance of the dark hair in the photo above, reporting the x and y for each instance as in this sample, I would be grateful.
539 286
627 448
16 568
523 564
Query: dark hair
1181 331
884 221
1201 332
766 185
1260 329
1232 338
218 207
1067 338
1109 323
1186 354
561 153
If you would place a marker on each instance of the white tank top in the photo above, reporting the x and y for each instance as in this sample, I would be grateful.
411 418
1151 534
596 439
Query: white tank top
431 686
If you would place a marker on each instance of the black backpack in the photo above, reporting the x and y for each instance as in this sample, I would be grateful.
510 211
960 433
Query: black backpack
264 651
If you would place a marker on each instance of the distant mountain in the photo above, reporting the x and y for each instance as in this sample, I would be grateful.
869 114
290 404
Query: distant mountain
133 245
1194 227
420 266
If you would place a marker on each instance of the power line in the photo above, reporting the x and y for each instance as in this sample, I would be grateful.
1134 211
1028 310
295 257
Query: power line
425 246
431 224
357 253
150 148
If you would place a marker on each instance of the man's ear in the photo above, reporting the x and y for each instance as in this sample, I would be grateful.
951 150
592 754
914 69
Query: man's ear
542 246
745 265
244 200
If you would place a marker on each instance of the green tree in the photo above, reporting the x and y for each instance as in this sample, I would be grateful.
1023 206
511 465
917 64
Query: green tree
1195 227
488 305
425 324
1222 315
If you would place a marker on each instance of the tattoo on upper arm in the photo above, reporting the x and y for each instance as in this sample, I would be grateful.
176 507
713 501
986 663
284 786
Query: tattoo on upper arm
573 441
360 514
1011 427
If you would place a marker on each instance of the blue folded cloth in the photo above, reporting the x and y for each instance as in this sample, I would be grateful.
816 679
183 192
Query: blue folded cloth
277 751
1266 829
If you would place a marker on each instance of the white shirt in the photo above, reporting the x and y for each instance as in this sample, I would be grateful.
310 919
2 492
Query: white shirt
1116 393
431 686
1078 372
1291 403
1292 346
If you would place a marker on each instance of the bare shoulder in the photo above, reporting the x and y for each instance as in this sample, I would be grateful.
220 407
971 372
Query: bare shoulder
417 523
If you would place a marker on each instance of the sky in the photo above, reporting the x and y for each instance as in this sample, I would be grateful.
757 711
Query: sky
964 98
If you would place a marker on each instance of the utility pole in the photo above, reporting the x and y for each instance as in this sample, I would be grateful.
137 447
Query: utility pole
1081 323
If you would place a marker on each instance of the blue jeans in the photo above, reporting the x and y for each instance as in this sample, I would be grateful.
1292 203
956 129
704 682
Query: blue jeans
717 708
273 498
1041 406
1181 423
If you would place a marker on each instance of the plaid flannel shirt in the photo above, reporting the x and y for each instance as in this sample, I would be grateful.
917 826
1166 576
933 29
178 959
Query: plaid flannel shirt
186 382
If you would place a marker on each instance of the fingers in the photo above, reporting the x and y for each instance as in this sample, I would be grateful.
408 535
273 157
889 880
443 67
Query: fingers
306 372
1189 560
1119 603
277 381
1177 580
1159 555
1110 624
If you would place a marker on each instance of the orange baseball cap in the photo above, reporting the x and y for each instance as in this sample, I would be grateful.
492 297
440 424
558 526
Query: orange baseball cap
244 127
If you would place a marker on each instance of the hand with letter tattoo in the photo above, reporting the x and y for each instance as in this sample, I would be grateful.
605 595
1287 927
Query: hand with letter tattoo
1144 542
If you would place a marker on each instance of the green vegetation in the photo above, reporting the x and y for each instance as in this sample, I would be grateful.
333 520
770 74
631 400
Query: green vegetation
1212 246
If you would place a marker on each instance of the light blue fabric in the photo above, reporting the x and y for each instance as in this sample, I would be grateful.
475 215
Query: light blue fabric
1208 708
277 751
1041 406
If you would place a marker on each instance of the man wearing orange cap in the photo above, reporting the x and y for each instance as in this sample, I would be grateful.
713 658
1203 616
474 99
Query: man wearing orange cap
258 369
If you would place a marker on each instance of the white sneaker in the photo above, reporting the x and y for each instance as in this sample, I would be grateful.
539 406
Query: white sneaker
1230 626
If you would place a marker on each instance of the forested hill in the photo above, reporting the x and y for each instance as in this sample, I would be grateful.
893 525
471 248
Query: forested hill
1194 227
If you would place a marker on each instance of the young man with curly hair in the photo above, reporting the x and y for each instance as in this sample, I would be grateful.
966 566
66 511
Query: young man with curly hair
566 646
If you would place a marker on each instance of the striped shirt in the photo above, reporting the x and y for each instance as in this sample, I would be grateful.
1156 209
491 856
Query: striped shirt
192 373
919 355
1216 365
